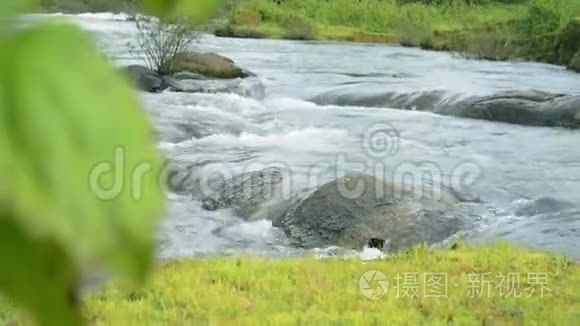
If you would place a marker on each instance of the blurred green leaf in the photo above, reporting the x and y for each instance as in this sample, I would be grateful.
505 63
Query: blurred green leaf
65 117
10 8
37 274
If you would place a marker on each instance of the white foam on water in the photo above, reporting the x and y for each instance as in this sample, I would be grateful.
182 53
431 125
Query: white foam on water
287 103
299 140
367 254
371 254
105 16
223 102
256 229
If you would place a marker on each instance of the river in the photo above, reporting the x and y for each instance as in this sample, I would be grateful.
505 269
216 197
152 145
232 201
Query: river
314 106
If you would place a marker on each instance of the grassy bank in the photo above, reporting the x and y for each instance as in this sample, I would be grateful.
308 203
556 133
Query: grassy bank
499 29
309 291
81 6
541 30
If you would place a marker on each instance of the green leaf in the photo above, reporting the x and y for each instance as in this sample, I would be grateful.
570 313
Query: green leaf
65 117
197 10
38 275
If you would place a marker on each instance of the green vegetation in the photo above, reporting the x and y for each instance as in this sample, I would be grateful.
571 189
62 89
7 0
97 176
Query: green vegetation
61 213
79 166
489 29
276 291
480 28
75 6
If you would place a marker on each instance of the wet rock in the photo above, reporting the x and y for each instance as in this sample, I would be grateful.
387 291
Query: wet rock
336 214
531 108
524 108
207 64
246 193
196 72
145 79
186 178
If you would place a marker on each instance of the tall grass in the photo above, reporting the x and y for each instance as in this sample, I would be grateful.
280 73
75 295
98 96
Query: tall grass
545 21
376 15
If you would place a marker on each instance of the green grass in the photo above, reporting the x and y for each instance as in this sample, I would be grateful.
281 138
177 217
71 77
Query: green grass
284 291
494 29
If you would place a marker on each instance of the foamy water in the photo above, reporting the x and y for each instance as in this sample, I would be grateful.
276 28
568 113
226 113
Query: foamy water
313 103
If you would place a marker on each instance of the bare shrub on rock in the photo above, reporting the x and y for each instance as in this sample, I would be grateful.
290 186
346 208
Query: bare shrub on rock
160 41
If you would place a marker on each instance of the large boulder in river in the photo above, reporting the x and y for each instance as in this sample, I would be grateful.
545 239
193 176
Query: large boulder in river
207 64
354 209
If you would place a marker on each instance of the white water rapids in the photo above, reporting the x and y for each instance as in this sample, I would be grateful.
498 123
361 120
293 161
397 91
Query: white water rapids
528 178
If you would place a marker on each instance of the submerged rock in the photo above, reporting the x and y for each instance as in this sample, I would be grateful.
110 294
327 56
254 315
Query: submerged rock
186 75
524 108
247 193
207 64
531 108
543 205
336 214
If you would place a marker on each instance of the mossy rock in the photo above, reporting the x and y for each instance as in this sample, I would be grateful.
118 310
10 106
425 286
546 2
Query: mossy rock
207 64
568 43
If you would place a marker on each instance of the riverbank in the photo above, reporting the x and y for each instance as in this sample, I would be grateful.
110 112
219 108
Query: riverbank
535 30
83 6
307 290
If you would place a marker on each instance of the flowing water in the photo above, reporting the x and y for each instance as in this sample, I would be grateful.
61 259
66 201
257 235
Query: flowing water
314 106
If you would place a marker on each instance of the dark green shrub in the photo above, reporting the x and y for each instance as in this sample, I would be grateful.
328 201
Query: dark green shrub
297 27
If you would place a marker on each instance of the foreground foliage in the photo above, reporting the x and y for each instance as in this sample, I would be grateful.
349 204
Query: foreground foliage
79 169
275 291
